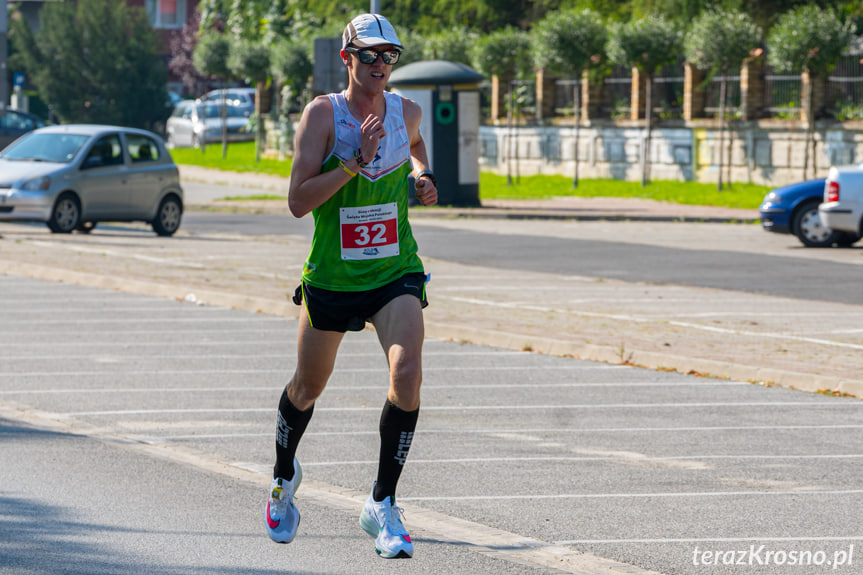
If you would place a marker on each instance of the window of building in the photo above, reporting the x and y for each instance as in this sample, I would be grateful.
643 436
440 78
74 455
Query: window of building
167 13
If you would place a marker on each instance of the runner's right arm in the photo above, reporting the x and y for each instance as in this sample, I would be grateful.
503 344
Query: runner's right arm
309 188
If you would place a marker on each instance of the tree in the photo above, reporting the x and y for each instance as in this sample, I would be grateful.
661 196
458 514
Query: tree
453 44
210 57
291 67
719 41
567 44
504 55
250 60
811 40
647 44
95 61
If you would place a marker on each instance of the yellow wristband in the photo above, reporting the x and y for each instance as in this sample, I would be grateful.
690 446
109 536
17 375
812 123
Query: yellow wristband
345 168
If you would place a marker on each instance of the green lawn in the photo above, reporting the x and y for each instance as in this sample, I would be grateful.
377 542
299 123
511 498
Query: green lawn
241 158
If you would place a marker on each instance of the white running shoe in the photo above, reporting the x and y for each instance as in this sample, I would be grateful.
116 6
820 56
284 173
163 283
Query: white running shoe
382 520
282 516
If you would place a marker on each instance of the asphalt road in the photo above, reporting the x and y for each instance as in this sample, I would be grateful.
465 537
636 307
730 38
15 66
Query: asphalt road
136 436
136 432
800 277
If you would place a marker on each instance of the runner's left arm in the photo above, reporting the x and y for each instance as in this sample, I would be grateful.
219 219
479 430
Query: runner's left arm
426 190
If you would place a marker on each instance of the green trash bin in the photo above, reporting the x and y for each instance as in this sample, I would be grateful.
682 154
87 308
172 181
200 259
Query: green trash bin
448 93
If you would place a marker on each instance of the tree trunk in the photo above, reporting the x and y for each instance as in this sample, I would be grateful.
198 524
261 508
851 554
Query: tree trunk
721 127
645 148
576 101
259 122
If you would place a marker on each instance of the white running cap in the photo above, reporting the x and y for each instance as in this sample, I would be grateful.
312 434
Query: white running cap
367 30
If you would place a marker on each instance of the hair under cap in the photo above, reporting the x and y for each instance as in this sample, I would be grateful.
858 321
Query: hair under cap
367 30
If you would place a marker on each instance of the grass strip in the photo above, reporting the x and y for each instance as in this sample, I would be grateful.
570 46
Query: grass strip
241 158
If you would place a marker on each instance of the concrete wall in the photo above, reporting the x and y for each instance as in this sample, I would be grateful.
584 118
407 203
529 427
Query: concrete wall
767 152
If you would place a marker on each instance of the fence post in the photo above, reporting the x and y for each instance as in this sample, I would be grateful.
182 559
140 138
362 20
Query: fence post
638 95
591 97
545 94
751 88
693 92
819 93
499 93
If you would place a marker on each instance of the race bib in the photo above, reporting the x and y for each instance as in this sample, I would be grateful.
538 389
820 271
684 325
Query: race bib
370 232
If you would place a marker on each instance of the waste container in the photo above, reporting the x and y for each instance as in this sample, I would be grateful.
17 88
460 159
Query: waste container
448 93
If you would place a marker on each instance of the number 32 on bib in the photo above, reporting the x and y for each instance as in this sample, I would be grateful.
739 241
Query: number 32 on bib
370 232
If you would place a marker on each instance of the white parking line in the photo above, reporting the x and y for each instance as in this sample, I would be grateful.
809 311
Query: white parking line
555 431
637 319
583 459
710 540
656 495
255 356
252 371
343 388
125 255
598 406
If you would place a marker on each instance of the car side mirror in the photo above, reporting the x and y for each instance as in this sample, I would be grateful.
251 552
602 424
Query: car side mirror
92 162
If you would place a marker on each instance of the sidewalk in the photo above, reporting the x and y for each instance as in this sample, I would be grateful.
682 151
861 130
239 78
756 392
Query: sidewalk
632 209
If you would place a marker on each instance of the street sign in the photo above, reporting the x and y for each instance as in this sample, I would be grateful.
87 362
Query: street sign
19 79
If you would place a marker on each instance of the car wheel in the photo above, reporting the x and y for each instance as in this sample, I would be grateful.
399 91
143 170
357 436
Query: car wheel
808 228
86 227
65 215
168 216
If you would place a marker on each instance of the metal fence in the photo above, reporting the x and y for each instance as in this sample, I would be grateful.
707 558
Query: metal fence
781 94
844 94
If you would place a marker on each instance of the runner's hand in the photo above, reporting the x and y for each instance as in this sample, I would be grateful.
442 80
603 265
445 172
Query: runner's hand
426 192
372 132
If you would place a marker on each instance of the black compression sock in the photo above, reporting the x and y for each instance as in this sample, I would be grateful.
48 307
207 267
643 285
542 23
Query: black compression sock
397 432
290 427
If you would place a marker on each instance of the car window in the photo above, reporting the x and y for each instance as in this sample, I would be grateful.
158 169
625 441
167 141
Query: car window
142 148
106 152
215 111
46 147
179 111
18 122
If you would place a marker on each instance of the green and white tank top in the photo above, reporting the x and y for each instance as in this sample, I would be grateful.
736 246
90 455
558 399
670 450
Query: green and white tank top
362 237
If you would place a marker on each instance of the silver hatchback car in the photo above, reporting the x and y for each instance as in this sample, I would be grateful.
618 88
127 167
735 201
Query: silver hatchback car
73 176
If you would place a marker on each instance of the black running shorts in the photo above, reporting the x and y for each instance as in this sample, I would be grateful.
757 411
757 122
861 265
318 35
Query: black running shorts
349 311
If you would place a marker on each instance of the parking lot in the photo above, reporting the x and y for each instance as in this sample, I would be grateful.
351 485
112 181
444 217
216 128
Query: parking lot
523 462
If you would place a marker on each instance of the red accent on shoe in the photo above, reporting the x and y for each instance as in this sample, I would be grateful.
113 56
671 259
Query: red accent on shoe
406 538
273 524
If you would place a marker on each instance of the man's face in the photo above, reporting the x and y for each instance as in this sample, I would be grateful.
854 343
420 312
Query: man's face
367 66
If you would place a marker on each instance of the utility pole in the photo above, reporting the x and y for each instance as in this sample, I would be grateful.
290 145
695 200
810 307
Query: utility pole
376 6
4 54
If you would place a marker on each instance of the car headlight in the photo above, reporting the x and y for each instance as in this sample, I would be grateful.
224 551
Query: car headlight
37 184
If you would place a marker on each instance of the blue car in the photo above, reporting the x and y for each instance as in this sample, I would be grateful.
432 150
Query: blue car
793 209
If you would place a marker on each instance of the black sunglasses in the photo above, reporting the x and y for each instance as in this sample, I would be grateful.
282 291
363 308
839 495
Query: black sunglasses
369 56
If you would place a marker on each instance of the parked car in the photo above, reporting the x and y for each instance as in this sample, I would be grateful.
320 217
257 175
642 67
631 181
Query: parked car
793 209
241 97
15 124
193 123
72 177
842 208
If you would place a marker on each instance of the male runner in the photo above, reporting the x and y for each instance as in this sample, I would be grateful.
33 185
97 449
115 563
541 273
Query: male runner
355 151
